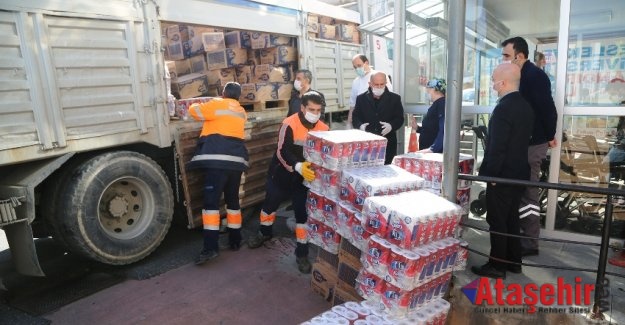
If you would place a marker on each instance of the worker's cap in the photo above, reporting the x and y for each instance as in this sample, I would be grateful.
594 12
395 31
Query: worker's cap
438 85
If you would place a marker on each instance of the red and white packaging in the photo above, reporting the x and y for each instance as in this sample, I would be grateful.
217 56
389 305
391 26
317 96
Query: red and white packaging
463 199
402 268
358 235
465 166
396 300
463 254
370 287
330 210
375 258
314 205
340 149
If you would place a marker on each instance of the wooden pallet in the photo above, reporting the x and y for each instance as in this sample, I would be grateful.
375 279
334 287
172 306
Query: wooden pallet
265 105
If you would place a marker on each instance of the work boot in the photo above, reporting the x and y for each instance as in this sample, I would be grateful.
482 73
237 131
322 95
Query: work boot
618 260
303 265
257 240
205 256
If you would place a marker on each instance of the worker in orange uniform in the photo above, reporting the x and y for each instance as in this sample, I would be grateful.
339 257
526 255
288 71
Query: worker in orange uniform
222 154
287 171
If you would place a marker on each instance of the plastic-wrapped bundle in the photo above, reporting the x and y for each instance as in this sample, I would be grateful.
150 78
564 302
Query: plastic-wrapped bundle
340 149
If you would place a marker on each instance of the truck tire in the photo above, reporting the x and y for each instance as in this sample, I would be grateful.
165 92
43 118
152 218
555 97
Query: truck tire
115 208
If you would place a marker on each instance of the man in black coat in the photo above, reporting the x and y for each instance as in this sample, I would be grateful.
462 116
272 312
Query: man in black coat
536 89
380 111
505 156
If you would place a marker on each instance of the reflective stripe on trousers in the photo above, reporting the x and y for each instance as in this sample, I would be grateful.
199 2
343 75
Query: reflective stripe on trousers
234 218
267 219
211 219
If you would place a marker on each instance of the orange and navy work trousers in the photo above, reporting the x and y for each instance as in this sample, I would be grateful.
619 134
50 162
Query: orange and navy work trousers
274 196
216 182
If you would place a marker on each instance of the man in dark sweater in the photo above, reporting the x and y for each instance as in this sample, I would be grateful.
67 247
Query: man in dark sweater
505 156
381 112
536 89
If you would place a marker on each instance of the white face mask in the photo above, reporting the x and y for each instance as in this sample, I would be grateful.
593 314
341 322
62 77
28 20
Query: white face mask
297 85
312 118
506 61
377 92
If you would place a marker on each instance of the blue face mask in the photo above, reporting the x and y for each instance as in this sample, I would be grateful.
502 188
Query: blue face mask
360 71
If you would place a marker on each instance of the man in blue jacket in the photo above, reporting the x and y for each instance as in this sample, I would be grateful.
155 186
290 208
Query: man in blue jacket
536 89
505 156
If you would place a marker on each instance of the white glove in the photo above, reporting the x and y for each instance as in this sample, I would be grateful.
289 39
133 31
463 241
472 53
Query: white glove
298 167
363 126
386 128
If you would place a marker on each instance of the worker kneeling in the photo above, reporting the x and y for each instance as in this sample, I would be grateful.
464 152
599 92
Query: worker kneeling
287 171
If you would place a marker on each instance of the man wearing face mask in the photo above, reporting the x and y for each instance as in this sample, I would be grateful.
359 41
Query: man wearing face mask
505 156
287 170
432 130
380 111
361 82
536 89
303 79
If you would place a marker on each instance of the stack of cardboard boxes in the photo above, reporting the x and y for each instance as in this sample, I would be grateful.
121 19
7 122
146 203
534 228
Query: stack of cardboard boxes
201 60
332 29
334 275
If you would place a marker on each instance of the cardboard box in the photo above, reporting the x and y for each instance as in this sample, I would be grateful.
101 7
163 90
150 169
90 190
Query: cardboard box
323 256
348 274
227 75
312 24
174 43
277 40
248 93
192 85
213 77
178 68
259 40
253 57
266 92
323 280
238 39
349 254
244 74
346 32
327 20
278 55
284 90
268 73
193 45
213 41
197 63
342 296
327 31
227 58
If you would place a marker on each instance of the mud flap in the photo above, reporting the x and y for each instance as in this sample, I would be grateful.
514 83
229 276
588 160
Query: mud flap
23 251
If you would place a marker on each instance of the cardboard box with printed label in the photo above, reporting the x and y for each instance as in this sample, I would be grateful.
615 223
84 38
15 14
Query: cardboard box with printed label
198 64
213 41
278 55
312 25
253 57
238 39
327 20
227 58
174 43
248 93
345 32
192 85
269 73
227 75
178 68
266 92
244 74
342 296
284 90
323 280
259 40
193 44
277 40
327 31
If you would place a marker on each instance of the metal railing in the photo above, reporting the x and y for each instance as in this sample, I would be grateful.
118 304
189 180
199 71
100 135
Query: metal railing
601 284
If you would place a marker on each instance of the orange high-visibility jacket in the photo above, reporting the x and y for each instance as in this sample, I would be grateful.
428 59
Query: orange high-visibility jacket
221 144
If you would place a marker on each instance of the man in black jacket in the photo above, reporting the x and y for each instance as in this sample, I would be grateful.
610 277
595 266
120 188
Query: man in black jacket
380 111
510 130
536 89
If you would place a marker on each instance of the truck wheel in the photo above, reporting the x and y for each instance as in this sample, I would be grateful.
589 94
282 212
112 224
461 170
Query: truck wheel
116 208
